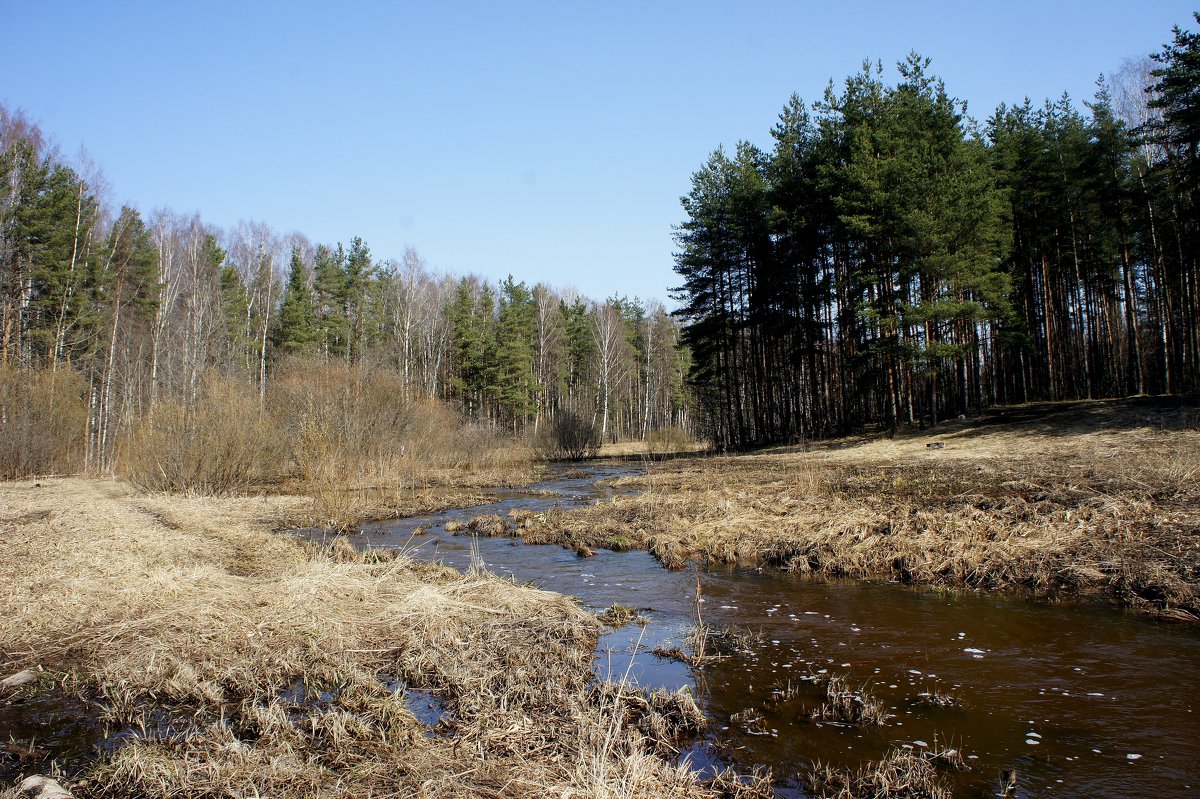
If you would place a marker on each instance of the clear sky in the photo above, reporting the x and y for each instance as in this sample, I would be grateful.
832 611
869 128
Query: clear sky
550 140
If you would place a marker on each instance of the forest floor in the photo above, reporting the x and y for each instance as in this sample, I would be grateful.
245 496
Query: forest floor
1098 498
204 654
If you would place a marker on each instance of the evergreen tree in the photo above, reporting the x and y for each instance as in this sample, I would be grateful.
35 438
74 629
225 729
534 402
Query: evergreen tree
513 380
1177 95
298 331
580 350
331 294
474 345
362 298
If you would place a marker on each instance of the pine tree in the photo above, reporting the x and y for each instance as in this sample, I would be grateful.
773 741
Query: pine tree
580 349
473 342
513 381
331 295
1177 95
362 299
297 331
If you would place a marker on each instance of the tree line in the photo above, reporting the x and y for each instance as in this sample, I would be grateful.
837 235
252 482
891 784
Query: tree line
890 261
139 310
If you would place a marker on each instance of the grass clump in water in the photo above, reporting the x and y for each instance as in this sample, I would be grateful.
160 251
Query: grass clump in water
848 705
937 698
618 616
900 774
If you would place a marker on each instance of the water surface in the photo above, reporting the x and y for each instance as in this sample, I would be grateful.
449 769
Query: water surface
1080 700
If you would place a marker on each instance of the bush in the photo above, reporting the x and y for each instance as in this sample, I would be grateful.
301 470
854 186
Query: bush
340 420
43 421
338 430
571 436
221 445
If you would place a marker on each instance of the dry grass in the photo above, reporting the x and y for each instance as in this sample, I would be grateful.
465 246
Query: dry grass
900 774
1097 498
848 705
231 661
617 616
938 698
670 441
350 440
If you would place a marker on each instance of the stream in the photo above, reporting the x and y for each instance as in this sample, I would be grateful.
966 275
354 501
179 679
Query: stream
1077 698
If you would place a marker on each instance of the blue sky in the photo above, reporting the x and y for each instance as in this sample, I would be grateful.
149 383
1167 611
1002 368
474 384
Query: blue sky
547 140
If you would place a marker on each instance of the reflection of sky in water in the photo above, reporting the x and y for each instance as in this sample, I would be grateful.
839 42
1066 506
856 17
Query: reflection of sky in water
1059 692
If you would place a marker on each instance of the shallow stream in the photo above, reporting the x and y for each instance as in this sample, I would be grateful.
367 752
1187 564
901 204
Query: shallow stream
1079 700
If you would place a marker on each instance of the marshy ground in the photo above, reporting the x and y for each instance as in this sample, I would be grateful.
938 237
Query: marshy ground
1078 498
182 648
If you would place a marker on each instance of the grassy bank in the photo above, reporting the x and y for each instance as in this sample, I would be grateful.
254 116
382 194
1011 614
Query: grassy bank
1081 498
209 656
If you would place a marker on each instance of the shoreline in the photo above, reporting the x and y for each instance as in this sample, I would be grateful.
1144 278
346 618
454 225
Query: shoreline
1091 499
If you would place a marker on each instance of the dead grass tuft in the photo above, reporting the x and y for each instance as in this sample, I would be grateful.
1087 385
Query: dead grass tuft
848 705
489 525
901 774
619 615
935 697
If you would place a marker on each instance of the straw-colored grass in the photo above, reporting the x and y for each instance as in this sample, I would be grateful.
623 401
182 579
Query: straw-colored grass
900 774
657 444
848 705
240 662
350 439
1100 497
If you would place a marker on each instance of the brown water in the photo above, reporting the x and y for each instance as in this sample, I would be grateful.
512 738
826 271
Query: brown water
1065 694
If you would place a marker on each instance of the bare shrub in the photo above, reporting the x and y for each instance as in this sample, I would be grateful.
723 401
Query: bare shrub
479 447
342 421
438 438
354 434
43 421
221 445
571 436
344 426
